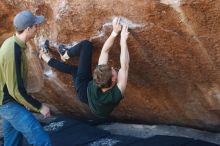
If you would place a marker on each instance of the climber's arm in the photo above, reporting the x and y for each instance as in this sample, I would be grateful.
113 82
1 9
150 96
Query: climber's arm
103 58
124 60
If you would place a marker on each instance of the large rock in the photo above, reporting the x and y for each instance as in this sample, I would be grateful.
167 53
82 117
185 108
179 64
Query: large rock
174 49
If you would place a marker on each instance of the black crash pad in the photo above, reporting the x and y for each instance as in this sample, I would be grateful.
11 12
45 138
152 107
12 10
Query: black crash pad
69 132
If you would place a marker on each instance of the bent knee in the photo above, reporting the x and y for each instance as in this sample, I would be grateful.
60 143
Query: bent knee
87 43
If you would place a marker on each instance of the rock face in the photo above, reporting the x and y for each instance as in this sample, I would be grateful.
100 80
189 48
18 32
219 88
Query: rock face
174 49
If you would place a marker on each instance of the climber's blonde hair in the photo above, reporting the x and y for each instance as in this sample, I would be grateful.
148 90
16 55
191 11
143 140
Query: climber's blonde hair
102 76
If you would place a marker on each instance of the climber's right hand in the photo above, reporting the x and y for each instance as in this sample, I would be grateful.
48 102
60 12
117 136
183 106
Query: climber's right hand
124 33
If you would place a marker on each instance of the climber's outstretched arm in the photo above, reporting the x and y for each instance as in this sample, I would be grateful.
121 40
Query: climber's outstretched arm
124 60
103 58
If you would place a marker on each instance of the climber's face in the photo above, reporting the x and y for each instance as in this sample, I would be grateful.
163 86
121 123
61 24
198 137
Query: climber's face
114 76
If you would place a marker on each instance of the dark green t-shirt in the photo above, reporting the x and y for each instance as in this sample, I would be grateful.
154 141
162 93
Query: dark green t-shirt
103 103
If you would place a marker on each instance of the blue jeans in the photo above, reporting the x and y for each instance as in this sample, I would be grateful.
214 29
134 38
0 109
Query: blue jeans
19 122
81 74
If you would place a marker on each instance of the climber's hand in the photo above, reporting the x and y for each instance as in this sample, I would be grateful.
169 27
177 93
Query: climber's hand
124 33
116 25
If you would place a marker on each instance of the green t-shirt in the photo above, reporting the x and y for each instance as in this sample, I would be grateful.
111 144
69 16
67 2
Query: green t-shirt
102 103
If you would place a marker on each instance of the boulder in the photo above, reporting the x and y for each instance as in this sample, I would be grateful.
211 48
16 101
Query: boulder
174 50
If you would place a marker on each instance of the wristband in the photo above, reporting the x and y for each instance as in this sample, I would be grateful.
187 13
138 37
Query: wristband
114 34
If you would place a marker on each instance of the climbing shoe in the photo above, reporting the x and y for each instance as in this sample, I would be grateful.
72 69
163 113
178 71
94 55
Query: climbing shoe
46 46
62 49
